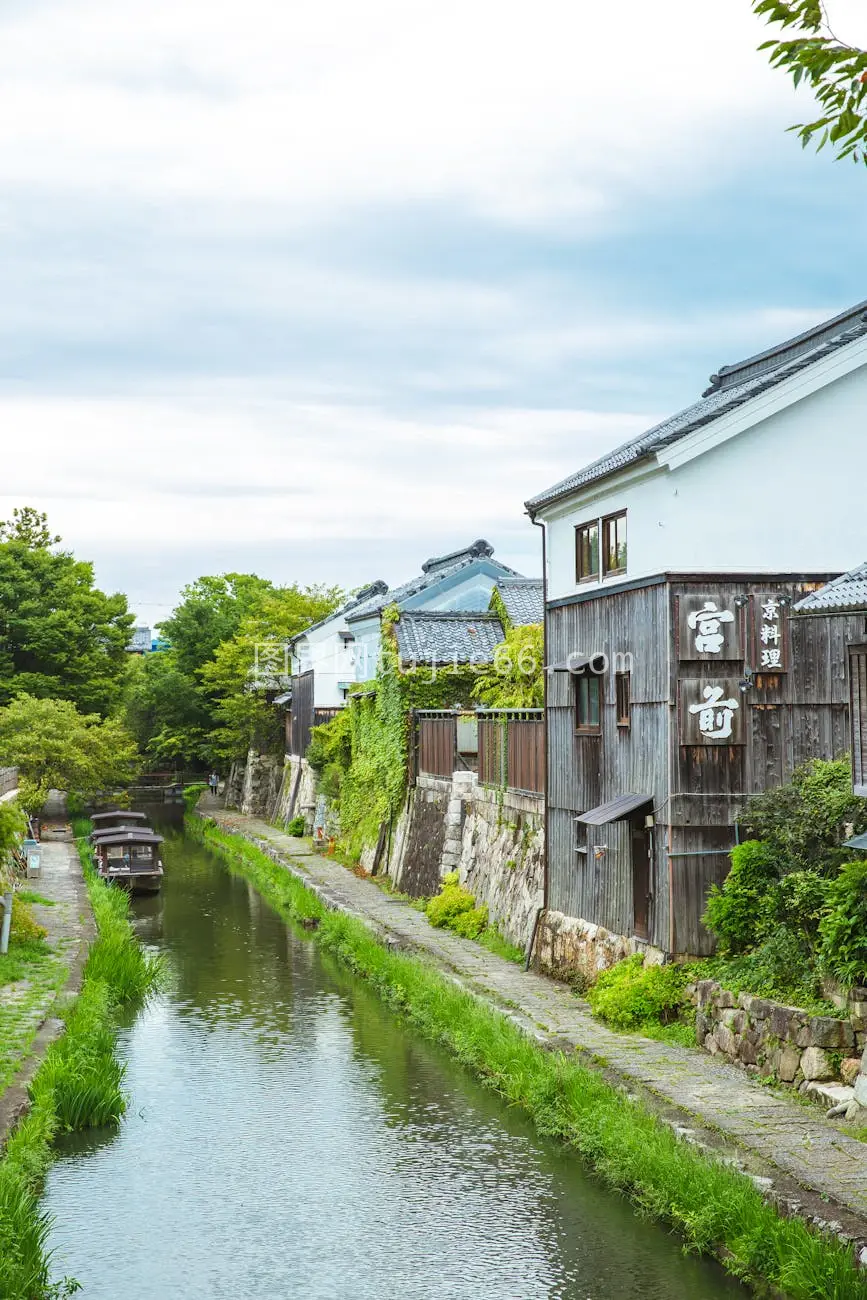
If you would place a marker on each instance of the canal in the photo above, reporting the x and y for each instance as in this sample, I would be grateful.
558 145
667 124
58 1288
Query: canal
288 1137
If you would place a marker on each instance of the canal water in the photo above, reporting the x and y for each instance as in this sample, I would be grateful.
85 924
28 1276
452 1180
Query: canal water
287 1136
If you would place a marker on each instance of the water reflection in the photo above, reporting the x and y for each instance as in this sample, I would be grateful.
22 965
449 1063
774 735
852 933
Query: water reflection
288 1138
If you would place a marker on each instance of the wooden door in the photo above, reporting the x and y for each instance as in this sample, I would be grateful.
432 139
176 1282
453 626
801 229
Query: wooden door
640 881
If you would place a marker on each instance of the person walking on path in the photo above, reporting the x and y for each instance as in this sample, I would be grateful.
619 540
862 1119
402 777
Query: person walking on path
213 782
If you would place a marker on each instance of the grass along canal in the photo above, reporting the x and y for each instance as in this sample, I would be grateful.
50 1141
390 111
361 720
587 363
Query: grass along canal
288 1135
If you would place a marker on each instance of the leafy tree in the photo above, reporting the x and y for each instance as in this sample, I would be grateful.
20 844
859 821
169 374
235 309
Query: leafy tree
815 55
29 526
210 612
165 710
514 680
60 636
56 747
251 665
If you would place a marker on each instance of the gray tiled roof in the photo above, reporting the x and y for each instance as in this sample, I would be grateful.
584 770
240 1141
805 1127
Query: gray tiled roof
363 597
731 387
444 638
845 595
523 599
433 571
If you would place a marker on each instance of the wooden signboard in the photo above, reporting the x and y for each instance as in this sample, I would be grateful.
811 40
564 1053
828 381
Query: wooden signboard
770 633
709 628
711 711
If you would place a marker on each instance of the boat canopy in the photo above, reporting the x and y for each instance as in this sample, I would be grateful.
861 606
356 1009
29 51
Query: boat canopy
134 836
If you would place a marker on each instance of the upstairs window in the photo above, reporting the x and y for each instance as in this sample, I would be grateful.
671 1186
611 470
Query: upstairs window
623 692
588 704
587 552
600 548
614 544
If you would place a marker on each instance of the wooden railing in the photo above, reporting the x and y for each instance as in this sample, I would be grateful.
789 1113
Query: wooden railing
512 749
509 751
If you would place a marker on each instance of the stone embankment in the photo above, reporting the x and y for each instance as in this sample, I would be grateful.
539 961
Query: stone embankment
804 1163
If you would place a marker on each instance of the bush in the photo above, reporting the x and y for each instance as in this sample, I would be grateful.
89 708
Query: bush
843 928
805 823
450 902
297 826
739 911
779 968
471 924
631 994
25 927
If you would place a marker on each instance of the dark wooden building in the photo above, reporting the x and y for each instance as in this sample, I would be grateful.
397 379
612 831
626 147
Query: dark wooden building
658 736
680 680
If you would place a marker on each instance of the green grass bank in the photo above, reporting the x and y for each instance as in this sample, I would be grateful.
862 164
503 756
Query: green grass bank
78 1085
712 1207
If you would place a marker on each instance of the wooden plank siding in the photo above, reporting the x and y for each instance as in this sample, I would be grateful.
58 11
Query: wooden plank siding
585 771
780 720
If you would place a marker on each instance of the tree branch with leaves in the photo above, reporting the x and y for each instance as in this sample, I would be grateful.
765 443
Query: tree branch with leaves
815 55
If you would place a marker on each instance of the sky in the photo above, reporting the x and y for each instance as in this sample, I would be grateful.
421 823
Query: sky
318 291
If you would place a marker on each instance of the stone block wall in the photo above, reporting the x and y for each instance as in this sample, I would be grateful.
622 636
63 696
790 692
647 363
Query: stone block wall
788 1042
496 843
571 949
297 794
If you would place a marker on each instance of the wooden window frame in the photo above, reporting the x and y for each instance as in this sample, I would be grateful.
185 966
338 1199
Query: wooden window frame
623 699
584 528
588 728
605 549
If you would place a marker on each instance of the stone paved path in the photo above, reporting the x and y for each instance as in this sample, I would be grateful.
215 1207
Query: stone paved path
790 1137
69 923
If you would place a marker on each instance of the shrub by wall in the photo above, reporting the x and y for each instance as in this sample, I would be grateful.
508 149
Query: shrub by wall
844 925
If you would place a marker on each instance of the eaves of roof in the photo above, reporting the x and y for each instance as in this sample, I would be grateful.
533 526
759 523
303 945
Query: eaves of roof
731 387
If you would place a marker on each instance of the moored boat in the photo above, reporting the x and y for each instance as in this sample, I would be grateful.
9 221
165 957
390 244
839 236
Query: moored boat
129 856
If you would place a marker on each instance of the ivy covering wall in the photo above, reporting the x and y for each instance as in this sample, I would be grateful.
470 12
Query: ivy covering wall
362 756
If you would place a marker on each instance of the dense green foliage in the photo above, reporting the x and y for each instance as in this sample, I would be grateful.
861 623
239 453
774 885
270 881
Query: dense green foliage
515 679
815 55
713 1207
792 907
844 925
56 747
205 698
60 636
738 910
12 827
806 821
455 907
633 994
361 756
78 1085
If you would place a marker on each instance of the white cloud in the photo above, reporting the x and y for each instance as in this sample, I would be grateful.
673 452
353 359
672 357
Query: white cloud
540 112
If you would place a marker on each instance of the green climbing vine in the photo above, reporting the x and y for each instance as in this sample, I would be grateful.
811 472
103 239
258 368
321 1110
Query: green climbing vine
361 757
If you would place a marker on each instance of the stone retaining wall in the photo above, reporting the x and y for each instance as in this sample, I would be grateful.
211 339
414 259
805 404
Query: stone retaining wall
771 1038
567 947
493 839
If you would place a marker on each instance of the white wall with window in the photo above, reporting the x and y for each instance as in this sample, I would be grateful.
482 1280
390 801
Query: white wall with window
783 494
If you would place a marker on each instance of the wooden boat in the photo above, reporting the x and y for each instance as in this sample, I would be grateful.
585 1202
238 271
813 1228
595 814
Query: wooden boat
129 856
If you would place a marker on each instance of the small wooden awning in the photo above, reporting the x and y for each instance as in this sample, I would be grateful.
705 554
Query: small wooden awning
575 663
615 810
